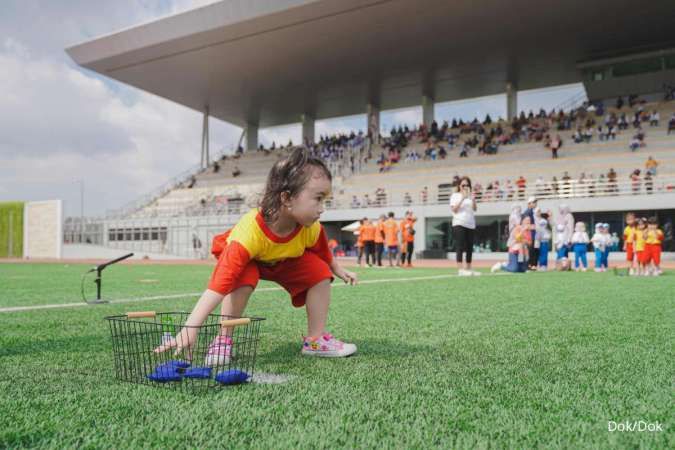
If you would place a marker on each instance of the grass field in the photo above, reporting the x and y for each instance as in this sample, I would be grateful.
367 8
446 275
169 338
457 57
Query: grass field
513 361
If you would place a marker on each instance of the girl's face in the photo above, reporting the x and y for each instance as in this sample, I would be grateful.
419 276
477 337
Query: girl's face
642 225
307 207
630 220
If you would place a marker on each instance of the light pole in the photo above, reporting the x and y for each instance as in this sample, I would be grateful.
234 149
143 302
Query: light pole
81 181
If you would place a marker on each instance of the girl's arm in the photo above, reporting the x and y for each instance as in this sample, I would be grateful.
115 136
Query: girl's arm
320 248
345 275
231 264
187 336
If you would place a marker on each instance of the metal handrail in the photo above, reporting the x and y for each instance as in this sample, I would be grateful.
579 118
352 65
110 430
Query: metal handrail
569 189
158 192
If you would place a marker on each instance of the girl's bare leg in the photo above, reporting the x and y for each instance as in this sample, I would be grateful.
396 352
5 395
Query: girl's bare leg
317 303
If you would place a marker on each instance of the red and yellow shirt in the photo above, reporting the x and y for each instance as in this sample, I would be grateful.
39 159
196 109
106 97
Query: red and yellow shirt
639 240
252 240
629 234
654 237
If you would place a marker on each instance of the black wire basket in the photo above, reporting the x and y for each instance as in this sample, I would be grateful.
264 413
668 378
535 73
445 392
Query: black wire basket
223 352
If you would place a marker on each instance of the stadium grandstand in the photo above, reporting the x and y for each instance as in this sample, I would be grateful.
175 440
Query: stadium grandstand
268 63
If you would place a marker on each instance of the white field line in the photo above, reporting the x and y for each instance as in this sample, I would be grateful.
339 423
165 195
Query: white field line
196 294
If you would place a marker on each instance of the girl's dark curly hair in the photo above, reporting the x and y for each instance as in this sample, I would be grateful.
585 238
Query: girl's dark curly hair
289 175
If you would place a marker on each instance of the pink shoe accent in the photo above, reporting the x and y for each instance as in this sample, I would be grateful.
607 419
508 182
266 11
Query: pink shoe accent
326 345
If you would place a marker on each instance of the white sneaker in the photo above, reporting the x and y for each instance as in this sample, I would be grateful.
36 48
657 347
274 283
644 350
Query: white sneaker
497 267
464 273
327 346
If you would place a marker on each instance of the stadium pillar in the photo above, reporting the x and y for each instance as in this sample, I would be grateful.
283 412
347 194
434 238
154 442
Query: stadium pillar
206 158
307 128
251 136
511 101
373 117
427 110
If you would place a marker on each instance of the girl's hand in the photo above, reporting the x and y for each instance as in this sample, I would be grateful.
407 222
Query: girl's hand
347 276
183 340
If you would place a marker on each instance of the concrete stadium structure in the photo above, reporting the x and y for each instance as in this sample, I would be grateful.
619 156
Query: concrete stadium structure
272 62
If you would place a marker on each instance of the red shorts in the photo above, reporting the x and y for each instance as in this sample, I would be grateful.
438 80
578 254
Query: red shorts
652 253
295 275
629 252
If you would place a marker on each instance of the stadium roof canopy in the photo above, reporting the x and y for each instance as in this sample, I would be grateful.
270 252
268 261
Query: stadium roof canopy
267 62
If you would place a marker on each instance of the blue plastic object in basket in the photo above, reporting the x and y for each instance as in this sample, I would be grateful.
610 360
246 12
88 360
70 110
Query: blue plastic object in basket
168 371
232 376
173 364
164 376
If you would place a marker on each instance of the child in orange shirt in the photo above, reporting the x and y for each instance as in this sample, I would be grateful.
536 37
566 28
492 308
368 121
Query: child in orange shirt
391 238
628 242
281 241
652 253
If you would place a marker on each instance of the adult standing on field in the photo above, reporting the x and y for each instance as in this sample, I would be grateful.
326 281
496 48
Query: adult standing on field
379 239
367 233
391 238
533 252
463 206
407 238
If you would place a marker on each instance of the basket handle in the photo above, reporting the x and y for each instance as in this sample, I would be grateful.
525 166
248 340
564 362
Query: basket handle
139 314
235 322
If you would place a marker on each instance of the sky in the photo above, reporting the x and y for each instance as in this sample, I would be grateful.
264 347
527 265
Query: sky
62 126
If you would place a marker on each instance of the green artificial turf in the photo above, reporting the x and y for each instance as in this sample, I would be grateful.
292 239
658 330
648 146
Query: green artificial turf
512 361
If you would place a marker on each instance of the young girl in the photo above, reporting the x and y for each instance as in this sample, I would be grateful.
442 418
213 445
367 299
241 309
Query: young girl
653 240
564 231
599 246
609 240
628 242
580 242
520 239
282 241
639 237
543 237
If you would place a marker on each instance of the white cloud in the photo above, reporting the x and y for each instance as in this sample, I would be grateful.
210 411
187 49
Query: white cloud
341 125
59 123
280 135
411 117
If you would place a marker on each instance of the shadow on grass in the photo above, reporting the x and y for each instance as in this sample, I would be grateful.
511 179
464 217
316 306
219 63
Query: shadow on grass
372 348
79 344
